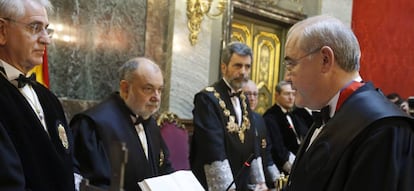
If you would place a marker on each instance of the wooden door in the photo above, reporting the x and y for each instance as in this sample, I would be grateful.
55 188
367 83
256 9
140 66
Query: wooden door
267 42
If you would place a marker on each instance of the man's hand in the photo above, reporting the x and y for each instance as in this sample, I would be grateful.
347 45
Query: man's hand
261 187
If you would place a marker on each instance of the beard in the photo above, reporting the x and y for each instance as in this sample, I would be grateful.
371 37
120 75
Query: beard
237 83
150 109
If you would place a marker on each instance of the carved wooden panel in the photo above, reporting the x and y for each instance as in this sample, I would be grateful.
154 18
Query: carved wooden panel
266 41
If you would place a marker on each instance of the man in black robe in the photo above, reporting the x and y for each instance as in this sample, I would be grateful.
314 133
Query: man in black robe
361 141
286 129
125 116
270 170
224 131
39 141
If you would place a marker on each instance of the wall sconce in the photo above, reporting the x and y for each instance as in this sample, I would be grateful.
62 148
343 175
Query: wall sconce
196 9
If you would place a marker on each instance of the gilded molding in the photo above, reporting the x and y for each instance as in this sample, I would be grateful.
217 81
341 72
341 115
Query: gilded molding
169 117
242 33
196 9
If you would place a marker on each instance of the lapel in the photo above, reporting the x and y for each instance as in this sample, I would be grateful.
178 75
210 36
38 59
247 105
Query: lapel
25 106
154 147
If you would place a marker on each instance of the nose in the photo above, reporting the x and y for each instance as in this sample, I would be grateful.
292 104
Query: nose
157 94
244 70
288 76
45 39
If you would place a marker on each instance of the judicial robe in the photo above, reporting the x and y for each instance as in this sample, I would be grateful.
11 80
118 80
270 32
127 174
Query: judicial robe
283 137
108 122
367 145
214 148
44 158
270 171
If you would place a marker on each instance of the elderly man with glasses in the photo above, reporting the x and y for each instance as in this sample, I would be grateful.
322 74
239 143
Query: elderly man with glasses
36 150
361 141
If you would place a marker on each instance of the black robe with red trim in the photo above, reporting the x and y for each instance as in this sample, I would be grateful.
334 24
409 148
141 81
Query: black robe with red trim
367 145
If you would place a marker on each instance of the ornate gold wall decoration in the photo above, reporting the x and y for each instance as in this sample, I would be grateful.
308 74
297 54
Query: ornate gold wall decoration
266 63
266 45
197 9
242 34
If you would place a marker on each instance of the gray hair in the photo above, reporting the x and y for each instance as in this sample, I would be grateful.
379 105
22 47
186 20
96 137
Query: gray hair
279 85
319 31
235 47
127 69
16 9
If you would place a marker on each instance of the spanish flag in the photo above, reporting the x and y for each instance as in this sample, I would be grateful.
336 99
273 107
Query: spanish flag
42 72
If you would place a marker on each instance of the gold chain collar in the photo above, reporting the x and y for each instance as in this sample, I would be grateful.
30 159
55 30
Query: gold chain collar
232 126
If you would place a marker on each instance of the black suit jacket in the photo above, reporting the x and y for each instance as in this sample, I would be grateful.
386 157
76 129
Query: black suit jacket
367 145
44 159
110 121
282 137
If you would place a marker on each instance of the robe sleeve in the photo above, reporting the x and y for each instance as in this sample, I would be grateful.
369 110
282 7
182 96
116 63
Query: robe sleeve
90 157
208 153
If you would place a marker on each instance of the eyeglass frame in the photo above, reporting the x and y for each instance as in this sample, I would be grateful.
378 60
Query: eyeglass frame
34 27
291 63
249 93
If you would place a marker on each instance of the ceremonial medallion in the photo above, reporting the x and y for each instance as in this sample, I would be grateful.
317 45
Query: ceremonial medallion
264 143
62 136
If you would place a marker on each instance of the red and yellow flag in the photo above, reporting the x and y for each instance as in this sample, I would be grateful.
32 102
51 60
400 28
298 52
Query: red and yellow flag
42 71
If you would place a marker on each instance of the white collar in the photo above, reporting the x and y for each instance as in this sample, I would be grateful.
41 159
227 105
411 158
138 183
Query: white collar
11 72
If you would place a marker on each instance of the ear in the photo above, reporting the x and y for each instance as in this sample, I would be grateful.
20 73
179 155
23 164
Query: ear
328 58
276 95
3 32
123 89
223 67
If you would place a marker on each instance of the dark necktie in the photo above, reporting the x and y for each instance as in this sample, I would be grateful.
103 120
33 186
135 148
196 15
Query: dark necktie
139 120
23 80
322 117
236 94
2 70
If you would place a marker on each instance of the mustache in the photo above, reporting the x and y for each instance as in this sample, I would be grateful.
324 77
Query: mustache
153 104
242 78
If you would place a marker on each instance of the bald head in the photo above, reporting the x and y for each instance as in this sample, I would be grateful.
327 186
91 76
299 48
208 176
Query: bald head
321 57
140 65
315 32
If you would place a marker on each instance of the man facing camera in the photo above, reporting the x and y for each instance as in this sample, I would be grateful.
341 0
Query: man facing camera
125 116
224 135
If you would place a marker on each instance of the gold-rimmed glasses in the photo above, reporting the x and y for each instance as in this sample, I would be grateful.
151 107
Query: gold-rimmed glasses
34 27
290 63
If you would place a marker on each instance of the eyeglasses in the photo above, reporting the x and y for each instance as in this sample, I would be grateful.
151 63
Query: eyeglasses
34 28
251 94
291 63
